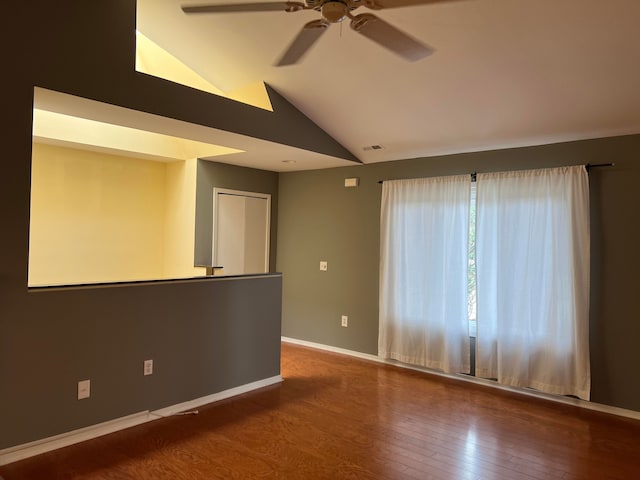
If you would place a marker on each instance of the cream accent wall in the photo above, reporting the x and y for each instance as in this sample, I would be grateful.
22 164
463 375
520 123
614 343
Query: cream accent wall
82 133
103 218
253 94
154 60
179 225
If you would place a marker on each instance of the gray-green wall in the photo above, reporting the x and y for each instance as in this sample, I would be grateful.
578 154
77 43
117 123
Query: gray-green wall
213 174
204 336
320 219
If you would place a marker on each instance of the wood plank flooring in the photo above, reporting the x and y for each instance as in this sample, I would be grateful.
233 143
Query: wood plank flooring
336 417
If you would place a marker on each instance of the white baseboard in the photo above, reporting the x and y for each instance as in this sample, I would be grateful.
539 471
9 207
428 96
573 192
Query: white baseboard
215 397
598 407
20 452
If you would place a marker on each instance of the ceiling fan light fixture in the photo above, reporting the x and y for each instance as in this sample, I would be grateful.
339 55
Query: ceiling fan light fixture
334 11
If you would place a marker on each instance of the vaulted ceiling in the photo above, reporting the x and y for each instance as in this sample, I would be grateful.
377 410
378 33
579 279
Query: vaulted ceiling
504 73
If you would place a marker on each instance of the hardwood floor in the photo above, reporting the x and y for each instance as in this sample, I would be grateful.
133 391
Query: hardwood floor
336 417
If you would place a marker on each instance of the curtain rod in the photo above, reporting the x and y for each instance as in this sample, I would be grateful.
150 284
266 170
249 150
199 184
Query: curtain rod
588 166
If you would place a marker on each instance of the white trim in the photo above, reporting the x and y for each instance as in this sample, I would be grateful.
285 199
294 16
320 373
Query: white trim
217 191
216 397
329 348
20 452
598 407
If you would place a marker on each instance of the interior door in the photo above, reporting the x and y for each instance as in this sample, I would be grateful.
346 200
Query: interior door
241 232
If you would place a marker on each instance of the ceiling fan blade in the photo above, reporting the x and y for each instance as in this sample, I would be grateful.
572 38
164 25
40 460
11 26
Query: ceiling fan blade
309 34
390 37
244 7
380 4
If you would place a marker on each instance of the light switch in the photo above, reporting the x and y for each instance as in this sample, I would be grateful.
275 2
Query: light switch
324 266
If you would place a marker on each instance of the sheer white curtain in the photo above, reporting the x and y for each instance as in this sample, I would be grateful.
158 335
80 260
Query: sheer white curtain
423 272
532 245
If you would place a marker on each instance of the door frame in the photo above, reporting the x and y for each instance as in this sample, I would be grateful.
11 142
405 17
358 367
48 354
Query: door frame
240 193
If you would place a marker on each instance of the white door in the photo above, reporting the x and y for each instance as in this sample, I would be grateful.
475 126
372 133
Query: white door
240 232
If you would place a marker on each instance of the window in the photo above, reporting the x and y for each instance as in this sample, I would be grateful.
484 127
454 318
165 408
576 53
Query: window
472 303
524 257
423 278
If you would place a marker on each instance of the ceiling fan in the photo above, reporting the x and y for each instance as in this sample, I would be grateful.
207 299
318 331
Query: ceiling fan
334 11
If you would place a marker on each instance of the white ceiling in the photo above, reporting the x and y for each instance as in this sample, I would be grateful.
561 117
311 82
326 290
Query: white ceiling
505 72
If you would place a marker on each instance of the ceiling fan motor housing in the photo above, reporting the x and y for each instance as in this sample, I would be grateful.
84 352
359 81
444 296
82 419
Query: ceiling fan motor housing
334 11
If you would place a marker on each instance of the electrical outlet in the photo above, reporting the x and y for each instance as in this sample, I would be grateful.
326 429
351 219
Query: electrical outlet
84 389
345 321
324 266
148 367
